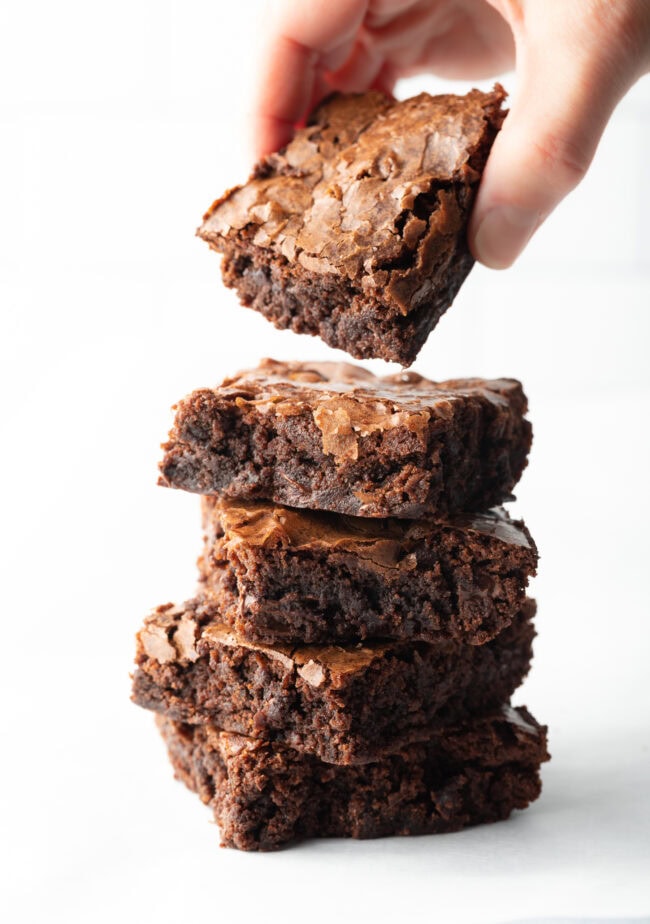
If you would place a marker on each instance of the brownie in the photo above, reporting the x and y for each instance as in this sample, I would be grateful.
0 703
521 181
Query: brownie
264 795
332 436
345 704
283 574
356 230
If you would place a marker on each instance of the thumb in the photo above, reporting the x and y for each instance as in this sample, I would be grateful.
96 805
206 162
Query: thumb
547 142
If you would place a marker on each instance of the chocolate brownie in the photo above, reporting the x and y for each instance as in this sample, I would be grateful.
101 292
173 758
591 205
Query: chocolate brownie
356 231
283 574
332 436
264 795
344 704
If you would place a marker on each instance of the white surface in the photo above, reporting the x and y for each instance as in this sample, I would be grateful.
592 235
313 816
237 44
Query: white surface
116 126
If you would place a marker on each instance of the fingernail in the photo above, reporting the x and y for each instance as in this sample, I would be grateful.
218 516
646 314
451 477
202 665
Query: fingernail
502 235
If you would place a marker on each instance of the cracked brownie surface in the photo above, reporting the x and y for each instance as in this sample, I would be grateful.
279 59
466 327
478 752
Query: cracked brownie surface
332 436
356 230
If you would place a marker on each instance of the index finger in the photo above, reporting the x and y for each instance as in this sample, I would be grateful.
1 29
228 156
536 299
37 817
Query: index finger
307 40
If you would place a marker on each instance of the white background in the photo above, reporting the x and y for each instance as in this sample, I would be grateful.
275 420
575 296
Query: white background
119 123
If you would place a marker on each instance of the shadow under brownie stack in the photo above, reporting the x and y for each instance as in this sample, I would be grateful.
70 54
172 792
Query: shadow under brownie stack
361 621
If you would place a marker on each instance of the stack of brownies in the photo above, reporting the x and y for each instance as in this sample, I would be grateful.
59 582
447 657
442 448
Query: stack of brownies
361 622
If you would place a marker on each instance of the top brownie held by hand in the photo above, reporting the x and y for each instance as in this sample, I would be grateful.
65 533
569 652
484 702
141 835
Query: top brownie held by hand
332 436
356 230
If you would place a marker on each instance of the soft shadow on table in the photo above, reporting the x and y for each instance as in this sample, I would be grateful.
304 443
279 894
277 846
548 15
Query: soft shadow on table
580 921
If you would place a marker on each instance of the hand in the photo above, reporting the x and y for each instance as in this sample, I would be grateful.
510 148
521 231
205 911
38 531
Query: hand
575 59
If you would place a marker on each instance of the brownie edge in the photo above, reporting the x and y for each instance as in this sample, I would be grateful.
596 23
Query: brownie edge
264 796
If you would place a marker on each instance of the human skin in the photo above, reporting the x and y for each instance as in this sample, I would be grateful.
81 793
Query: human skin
574 61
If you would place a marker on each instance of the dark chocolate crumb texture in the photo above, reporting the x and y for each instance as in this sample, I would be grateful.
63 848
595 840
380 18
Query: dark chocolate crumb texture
356 231
286 575
344 704
264 796
332 436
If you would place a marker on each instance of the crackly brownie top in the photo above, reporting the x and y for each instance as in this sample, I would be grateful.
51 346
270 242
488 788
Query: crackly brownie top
183 633
349 193
386 543
348 402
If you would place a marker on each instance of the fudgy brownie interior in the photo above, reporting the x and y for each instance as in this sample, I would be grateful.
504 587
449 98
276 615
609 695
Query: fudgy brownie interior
286 575
265 795
345 704
332 436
